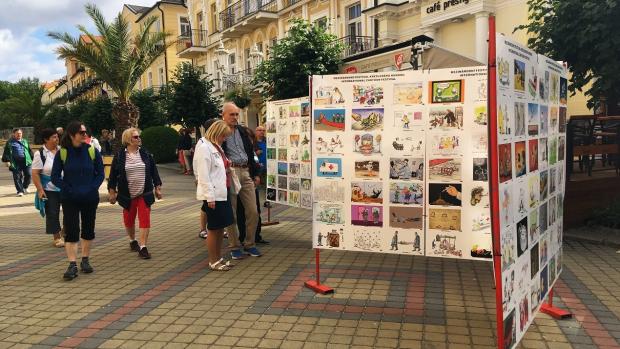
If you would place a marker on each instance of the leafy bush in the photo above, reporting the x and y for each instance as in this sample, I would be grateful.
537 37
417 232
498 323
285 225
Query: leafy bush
162 142
608 216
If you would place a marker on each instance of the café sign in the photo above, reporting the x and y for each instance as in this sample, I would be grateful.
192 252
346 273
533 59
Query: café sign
445 5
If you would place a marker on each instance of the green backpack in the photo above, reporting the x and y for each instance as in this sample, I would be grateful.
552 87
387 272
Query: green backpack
63 154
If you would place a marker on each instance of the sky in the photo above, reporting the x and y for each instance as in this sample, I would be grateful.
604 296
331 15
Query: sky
25 49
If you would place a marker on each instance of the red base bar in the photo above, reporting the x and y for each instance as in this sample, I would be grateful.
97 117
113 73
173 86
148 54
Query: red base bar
554 312
316 287
266 224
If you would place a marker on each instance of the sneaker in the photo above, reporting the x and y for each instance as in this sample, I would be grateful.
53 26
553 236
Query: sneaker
144 253
263 242
26 191
202 234
20 194
85 267
253 251
134 246
71 273
237 254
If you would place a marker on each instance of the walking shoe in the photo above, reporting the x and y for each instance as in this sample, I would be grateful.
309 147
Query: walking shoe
71 273
60 242
134 246
237 254
26 191
253 251
20 194
85 266
144 253
263 242
203 234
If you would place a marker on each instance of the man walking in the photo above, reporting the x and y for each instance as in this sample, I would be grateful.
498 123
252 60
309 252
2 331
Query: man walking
18 156
240 151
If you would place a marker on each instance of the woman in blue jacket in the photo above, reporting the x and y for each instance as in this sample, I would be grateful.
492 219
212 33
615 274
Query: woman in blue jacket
78 172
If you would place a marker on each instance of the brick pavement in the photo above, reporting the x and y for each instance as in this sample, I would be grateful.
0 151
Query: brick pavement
174 301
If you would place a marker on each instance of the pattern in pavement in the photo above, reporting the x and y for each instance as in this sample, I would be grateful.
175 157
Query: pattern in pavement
173 300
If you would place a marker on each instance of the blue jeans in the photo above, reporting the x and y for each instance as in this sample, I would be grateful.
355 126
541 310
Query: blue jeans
21 177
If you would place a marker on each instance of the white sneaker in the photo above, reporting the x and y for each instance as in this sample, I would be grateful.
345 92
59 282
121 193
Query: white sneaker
26 191
20 194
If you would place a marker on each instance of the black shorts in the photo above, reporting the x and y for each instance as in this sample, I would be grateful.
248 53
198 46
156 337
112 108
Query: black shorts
220 217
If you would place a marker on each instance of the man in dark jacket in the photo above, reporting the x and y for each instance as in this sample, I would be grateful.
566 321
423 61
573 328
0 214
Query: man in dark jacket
240 151
18 156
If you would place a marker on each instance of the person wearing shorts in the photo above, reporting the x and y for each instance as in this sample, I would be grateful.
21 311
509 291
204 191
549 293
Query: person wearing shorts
134 182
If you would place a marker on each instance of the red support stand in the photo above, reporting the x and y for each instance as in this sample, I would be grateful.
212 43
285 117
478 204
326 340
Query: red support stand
552 311
269 221
315 285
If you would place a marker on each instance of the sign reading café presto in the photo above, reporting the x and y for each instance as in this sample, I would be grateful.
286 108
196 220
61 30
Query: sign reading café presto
444 5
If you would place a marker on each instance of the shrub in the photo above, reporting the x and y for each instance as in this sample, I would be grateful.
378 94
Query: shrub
608 216
162 142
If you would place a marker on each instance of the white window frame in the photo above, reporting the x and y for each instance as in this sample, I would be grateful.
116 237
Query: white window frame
161 74
357 21
149 79
181 25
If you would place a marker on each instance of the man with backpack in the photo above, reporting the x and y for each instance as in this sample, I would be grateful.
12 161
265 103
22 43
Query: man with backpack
18 157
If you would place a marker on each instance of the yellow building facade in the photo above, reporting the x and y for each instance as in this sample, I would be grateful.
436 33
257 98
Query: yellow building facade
229 38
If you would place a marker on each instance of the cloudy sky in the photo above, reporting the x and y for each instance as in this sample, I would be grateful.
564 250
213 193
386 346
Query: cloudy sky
25 49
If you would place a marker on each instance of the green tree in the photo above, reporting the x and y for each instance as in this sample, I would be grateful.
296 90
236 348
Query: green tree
152 107
584 33
116 57
23 106
306 50
190 99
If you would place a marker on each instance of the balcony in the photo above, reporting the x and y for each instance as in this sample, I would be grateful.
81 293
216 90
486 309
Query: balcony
354 45
247 15
230 81
193 45
288 3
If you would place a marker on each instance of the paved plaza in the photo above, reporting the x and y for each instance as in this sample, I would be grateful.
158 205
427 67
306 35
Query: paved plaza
174 301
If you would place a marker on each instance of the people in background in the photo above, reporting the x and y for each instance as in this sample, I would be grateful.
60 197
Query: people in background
214 179
47 192
203 215
135 183
60 132
185 147
18 157
240 150
78 172
90 139
106 142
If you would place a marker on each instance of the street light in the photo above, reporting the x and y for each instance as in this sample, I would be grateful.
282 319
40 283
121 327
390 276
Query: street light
256 57
222 57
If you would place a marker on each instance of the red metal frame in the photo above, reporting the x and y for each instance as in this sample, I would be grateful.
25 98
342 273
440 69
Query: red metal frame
554 312
494 181
315 285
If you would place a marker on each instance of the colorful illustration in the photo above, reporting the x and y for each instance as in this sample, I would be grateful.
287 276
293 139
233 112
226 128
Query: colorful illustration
282 154
329 167
367 169
444 169
406 217
367 143
367 192
544 120
283 168
553 150
406 193
367 95
479 197
532 119
329 119
505 162
328 96
283 196
563 90
407 145
522 236
520 159
329 144
448 144
532 81
533 154
406 168
519 76
408 93
444 194
449 91
446 118
503 72
293 198
367 216
505 205
444 245
329 213
481 169
504 120
508 246
519 119
480 114
534 190
367 119
533 228
444 219
404 120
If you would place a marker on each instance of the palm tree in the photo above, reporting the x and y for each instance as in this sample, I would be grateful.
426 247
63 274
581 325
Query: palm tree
116 57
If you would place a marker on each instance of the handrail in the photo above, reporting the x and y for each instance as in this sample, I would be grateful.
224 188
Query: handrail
238 11
197 38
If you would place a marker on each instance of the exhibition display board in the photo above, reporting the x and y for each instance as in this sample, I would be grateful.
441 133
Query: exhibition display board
531 93
289 170
399 162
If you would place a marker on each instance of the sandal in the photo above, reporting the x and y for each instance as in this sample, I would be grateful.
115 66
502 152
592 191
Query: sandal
226 263
202 234
218 266
60 242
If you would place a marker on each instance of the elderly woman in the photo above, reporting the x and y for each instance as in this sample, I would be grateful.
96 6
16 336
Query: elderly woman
42 164
134 182
78 172
212 169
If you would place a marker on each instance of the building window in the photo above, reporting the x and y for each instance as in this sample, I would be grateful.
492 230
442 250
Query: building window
259 46
321 22
184 26
231 63
354 20
217 76
201 28
213 18
150 79
158 25
162 77
246 54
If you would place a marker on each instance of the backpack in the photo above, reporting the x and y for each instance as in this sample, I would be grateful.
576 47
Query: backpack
63 154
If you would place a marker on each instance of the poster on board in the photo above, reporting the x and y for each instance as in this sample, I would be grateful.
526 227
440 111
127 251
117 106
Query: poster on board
400 163
289 176
531 110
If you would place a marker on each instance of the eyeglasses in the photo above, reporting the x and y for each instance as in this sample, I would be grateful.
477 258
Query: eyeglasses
83 133
135 137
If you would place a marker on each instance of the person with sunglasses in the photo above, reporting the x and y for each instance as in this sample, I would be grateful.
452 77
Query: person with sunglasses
134 182
78 172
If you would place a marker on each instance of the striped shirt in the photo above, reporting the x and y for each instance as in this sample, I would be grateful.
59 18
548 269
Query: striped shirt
135 169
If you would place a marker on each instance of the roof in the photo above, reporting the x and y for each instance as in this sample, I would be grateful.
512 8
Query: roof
137 9
173 2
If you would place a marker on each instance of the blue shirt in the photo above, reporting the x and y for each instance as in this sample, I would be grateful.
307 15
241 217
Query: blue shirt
262 158
18 150
79 177
234 148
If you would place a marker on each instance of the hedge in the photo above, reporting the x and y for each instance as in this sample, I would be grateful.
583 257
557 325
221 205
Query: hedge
162 142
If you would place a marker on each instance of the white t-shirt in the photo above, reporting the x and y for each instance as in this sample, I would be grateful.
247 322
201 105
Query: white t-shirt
46 169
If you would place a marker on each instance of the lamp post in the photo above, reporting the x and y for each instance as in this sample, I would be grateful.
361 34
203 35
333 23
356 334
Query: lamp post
221 55
256 57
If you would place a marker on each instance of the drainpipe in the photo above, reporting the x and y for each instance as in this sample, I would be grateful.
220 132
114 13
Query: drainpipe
163 26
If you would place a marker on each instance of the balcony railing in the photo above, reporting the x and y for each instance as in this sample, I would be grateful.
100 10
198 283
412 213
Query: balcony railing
243 77
240 10
357 44
197 38
288 3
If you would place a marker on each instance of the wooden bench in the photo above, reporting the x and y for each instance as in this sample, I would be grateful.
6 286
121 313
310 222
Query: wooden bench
107 165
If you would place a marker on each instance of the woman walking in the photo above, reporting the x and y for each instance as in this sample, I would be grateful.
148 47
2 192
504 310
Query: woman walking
134 182
47 192
185 147
78 172
213 176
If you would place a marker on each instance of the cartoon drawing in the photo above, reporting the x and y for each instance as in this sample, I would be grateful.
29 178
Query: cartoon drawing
444 169
367 119
367 143
444 219
445 244
325 95
329 213
407 168
446 118
367 169
480 172
329 119
329 167
519 76
408 93
449 91
368 216
367 95
367 192
406 193
444 194
406 217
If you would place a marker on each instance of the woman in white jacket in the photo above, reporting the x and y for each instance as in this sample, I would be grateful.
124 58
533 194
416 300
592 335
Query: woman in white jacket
212 170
